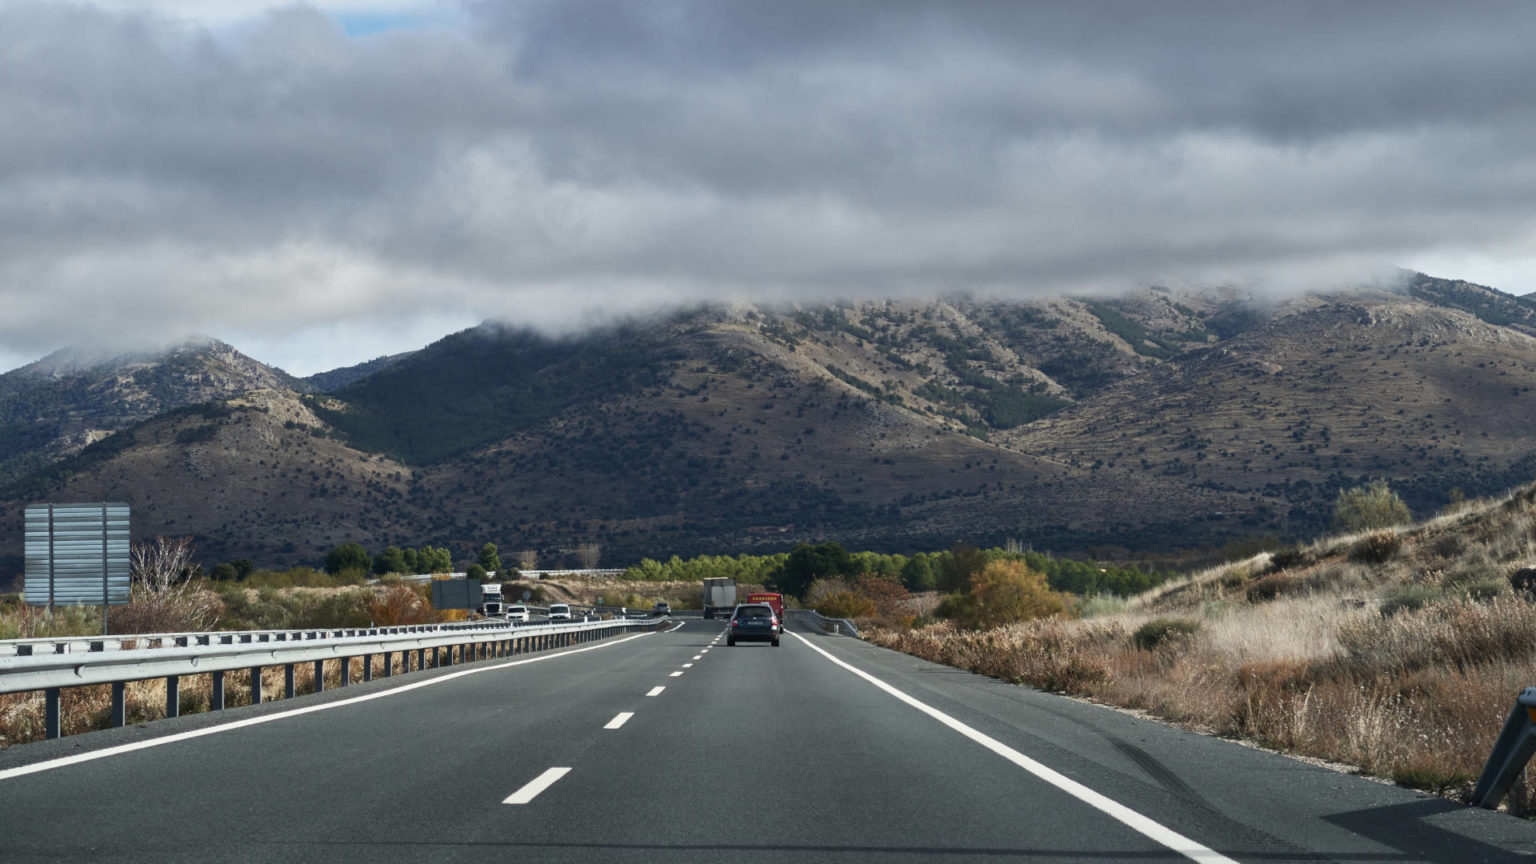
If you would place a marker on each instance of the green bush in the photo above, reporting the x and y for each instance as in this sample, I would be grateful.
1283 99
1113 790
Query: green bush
1409 598
1160 631
1369 507
1484 590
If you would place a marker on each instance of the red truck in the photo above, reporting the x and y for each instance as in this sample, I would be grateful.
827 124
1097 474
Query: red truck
774 600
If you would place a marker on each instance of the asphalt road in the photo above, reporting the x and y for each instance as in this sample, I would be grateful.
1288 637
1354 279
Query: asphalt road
823 749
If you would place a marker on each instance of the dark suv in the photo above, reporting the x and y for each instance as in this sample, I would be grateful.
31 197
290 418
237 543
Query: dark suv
753 622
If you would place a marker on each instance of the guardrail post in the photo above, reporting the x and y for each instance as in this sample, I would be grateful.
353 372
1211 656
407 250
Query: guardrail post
1515 744
119 704
367 667
319 675
389 663
346 671
51 724
172 696
216 702
288 685
255 685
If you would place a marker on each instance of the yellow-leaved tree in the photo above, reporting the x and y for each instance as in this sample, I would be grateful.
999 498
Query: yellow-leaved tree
1008 591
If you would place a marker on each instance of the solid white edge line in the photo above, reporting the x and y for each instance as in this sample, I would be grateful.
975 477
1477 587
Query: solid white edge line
619 719
105 752
1143 825
655 691
536 785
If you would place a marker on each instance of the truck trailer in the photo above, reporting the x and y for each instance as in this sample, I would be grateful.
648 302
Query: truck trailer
719 596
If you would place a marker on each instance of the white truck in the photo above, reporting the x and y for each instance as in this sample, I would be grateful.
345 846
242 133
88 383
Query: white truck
490 598
719 596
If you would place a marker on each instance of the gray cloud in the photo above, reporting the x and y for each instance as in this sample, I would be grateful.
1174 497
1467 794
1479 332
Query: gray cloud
548 160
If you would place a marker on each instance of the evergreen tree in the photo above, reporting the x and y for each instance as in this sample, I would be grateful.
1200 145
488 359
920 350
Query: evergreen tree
348 556
489 560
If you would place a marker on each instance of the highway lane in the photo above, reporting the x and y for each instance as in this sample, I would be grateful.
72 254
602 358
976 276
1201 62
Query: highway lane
752 753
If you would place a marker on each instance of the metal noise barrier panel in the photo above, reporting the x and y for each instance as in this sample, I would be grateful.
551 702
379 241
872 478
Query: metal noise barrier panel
77 554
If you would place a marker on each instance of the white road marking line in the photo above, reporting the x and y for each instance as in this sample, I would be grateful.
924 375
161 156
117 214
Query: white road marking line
699 656
257 721
1154 831
619 719
655 691
536 785
687 665
676 674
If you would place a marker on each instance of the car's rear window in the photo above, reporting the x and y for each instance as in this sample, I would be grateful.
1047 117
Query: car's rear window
754 612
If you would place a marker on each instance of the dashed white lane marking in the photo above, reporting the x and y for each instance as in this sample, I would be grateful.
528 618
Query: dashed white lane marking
536 785
1154 831
687 665
655 691
619 719
699 656
256 721
676 674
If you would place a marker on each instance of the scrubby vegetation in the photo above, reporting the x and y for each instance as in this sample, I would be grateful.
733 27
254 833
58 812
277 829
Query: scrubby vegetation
1398 651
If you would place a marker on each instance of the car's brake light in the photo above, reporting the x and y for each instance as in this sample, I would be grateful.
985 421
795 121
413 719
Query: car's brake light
735 623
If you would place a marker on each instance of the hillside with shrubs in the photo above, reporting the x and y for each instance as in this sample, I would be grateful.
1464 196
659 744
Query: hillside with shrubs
1393 648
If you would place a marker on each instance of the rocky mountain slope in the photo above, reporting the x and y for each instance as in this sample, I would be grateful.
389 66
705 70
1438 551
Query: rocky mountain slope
1124 427
76 396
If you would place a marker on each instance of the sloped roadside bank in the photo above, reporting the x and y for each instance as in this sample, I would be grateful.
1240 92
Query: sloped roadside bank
1399 652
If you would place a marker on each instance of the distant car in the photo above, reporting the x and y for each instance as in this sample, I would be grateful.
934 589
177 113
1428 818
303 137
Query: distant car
559 611
517 613
662 608
753 622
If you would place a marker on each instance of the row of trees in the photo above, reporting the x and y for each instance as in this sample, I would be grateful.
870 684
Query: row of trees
353 558
952 571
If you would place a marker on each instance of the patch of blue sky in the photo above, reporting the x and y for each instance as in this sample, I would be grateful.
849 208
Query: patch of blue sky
363 24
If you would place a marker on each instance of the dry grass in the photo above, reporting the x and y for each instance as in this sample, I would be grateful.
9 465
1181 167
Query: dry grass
85 709
1372 652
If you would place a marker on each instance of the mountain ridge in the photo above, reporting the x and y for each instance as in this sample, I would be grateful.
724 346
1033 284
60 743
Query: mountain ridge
1086 425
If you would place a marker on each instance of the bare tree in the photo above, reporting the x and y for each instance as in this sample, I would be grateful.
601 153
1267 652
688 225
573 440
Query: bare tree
163 565
528 559
164 598
587 555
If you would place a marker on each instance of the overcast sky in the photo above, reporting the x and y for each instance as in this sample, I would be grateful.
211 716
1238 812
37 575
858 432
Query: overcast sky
320 184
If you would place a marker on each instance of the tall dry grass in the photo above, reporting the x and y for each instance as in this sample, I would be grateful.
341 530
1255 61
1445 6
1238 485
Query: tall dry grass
1398 654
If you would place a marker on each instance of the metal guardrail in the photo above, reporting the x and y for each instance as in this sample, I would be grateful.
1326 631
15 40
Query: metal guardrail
50 665
831 625
1511 751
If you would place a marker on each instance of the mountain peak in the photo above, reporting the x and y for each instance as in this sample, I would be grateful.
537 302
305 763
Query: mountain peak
84 358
